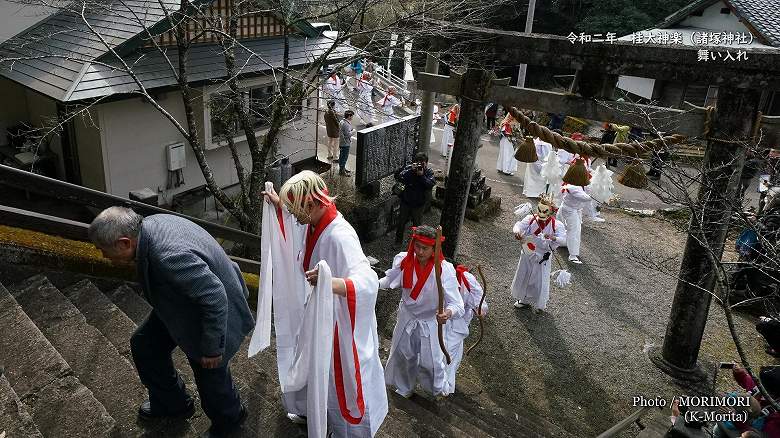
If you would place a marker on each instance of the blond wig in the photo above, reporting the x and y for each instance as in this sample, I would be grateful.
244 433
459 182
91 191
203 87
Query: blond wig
301 188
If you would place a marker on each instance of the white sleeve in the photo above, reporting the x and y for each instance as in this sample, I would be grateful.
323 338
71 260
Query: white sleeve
523 226
475 295
578 193
452 298
560 234
392 278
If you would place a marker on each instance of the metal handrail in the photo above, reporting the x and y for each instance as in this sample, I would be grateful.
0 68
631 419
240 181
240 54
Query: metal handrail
76 194
625 423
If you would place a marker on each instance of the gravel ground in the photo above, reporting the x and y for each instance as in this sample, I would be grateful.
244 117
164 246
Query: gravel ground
581 362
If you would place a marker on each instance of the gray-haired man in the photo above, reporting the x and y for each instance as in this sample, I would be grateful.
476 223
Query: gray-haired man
199 304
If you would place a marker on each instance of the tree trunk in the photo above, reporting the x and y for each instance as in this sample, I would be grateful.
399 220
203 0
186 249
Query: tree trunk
717 196
476 83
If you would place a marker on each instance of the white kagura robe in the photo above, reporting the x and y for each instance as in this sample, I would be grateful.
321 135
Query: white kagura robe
387 104
365 105
534 183
447 138
415 355
334 90
459 327
356 400
570 213
506 156
531 284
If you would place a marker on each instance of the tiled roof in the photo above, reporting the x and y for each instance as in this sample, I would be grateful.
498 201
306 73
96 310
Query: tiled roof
62 58
762 15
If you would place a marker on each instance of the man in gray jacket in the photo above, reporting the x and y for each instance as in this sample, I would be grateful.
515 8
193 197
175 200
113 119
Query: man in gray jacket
199 302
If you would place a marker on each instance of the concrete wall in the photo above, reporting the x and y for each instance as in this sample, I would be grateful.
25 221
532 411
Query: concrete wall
87 135
713 20
14 107
134 136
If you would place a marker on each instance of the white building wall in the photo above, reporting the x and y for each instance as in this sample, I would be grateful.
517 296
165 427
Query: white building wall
87 136
712 19
134 136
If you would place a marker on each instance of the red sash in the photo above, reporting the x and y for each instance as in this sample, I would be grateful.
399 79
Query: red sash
338 372
543 225
460 273
422 276
312 237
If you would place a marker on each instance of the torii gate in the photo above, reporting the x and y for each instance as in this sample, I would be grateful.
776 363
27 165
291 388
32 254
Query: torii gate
598 66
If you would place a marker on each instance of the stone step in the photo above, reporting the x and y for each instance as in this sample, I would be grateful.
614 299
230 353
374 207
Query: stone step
14 418
131 303
59 404
93 358
425 419
101 313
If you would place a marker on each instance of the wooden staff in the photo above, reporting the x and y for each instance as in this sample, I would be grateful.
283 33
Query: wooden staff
479 310
437 265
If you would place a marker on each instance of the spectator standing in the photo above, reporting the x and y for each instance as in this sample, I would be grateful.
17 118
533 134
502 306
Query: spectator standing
332 129
417 179
345 131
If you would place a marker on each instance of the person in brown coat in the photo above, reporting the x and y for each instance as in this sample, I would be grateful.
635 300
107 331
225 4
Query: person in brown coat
332 130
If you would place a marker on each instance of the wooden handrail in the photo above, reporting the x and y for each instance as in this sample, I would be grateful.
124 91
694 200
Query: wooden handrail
625 423
74 230
76 194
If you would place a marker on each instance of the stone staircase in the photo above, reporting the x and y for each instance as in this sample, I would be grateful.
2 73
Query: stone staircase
67 371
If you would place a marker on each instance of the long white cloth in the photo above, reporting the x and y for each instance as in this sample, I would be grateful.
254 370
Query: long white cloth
506 156
534 183
387 103
459 327
531 283
415 355
447 137
311 366
284 283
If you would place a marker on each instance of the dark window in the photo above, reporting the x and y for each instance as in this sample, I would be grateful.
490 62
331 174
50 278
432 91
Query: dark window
697 13
258 100
725 11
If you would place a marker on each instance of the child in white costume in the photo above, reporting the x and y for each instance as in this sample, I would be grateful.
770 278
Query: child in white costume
471 291
415 355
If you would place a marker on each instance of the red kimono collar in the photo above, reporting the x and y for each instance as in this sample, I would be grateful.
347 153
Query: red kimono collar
313 235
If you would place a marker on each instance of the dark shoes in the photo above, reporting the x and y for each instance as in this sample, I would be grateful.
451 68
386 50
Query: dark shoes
145 411
227 430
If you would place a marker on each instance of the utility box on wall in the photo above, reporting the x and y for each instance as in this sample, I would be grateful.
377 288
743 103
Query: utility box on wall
177 157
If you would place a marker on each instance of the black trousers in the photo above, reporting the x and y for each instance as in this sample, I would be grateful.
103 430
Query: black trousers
770 330
152 345
406 214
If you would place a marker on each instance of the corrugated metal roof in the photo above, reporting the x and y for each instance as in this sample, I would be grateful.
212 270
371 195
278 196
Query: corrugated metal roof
49 56
59 56
206 62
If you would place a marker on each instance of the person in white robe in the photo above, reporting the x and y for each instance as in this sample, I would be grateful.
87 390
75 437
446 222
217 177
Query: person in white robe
506 162
365 104
448 136
356 403
540 235
415 354
388 103
574 200
334 90
534 184
471 291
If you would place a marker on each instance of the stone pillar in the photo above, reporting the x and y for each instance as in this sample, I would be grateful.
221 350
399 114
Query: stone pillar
475 86
426 112
723 160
